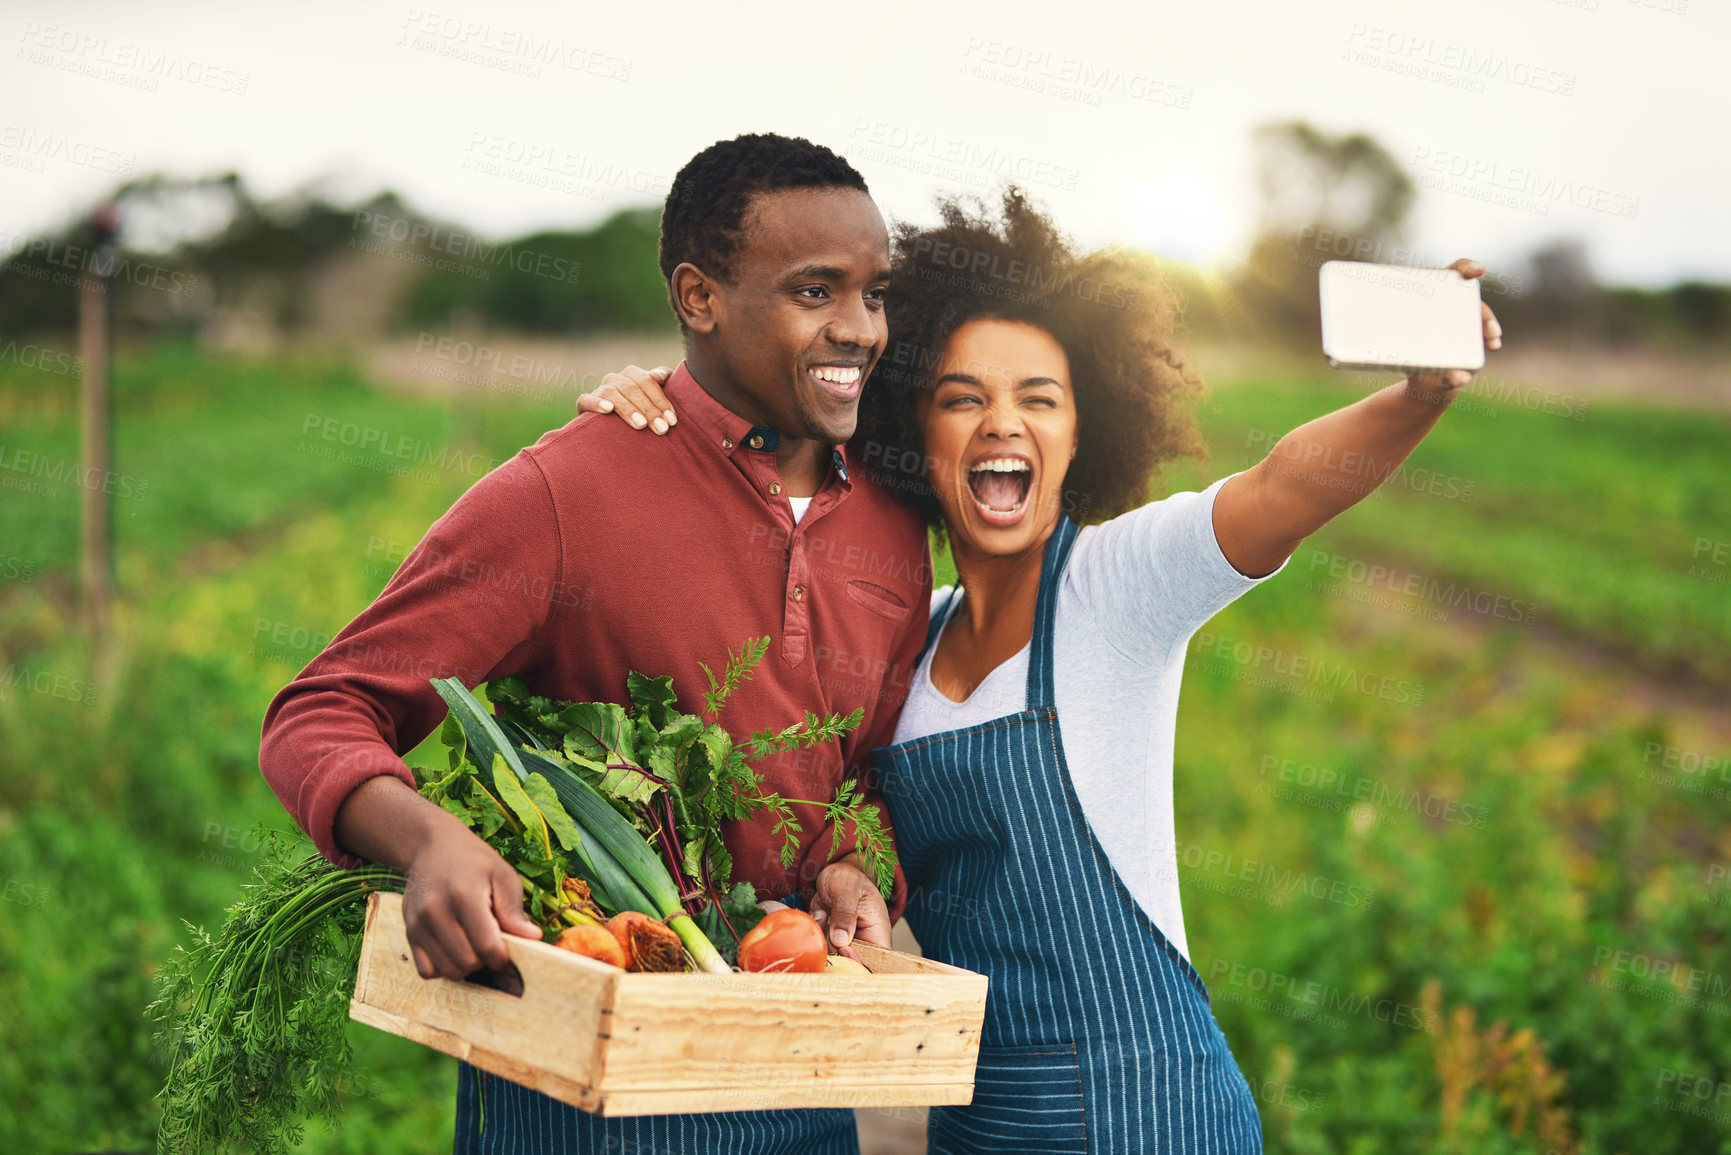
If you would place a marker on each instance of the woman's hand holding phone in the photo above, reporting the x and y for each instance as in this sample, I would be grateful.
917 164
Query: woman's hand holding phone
1469 269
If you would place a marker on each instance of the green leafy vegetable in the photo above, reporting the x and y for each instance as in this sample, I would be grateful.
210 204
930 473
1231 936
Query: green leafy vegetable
547 801
678 777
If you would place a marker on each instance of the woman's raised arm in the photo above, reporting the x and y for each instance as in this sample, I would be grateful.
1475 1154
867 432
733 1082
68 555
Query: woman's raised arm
1330 464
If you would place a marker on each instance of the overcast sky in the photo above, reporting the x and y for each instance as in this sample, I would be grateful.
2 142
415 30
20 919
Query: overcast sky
1526 119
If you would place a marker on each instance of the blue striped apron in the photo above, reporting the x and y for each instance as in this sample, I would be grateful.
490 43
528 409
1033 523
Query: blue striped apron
1098 1033
498 1117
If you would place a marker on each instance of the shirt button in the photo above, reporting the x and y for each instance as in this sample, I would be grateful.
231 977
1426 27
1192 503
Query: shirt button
756 441
775 487
798 593
727 443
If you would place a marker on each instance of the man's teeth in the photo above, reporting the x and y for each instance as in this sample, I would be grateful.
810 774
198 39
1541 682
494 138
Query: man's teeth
837 374
1001 465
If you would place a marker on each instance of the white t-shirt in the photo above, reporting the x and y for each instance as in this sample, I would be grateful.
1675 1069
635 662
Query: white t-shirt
1137 587
800 505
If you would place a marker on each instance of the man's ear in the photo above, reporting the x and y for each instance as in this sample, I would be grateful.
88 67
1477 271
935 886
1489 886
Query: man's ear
693 294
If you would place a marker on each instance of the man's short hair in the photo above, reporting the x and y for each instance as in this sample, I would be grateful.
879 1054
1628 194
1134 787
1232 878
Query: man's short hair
703 221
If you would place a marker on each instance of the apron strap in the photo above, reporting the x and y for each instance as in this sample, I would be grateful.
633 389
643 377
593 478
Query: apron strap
1041 692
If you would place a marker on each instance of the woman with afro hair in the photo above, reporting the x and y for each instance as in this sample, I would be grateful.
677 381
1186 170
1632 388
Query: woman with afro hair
1025 399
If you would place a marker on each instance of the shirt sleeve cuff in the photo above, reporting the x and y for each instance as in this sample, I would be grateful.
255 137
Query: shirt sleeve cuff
330 788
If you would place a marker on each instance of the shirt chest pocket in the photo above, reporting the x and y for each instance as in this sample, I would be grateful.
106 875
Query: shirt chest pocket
877 599
855 647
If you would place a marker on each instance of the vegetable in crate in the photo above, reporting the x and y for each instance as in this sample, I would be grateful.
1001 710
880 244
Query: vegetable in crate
648 945
785 942
252 1022
678 777
596 942
619 867
842 965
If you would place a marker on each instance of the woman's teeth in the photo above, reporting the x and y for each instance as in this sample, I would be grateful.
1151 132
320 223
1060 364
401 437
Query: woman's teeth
1000 484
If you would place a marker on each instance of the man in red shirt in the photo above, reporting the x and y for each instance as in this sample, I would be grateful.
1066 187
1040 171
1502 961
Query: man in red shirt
597 551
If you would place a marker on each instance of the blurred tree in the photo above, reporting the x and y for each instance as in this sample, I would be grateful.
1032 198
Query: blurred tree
1703 310
1324 197
1566 303
189 250
605 278
206 257
1686 315
1564 290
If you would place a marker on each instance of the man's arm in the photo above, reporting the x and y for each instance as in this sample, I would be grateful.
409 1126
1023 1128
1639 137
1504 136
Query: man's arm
333 738
462 897
1328 465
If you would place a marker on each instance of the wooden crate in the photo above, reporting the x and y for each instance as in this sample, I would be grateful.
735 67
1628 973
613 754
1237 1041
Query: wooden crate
614 1043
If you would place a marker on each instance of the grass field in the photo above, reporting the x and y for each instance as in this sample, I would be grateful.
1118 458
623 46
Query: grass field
1452 792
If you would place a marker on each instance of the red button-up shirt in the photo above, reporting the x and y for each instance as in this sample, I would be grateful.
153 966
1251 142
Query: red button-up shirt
600 550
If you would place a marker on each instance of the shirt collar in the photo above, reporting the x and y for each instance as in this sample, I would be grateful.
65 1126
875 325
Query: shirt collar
725 429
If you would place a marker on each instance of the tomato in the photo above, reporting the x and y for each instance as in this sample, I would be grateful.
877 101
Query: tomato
785 941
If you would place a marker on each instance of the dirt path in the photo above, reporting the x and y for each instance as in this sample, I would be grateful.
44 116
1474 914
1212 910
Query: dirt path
532 369
543 368
1534 377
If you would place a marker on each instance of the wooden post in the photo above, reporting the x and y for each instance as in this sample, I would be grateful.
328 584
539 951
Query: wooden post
96 563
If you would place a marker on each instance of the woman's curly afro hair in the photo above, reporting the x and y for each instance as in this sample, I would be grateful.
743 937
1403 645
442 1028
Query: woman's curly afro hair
1110 312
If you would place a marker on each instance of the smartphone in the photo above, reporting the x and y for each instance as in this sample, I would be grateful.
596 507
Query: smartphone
1397 317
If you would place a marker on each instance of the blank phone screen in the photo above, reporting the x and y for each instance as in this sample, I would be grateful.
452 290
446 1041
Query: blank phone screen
1396 317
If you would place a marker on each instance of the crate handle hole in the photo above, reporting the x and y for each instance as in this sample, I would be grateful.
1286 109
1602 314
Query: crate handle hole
508 980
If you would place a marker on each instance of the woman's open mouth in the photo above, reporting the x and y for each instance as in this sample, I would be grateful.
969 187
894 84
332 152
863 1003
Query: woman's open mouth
1000 487
840 381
